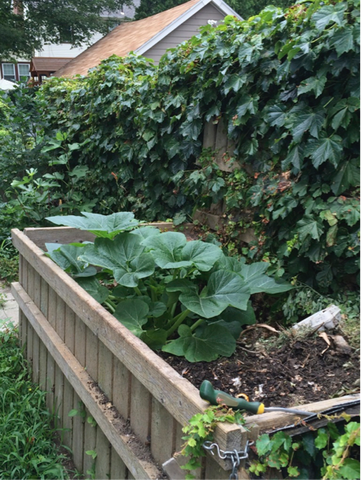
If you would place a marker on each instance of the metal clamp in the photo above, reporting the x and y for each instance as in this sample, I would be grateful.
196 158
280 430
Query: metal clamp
234 455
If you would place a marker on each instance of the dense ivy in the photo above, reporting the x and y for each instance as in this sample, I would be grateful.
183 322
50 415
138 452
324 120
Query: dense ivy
286 85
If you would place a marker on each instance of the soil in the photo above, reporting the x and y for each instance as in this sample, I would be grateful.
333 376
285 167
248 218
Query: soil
297 372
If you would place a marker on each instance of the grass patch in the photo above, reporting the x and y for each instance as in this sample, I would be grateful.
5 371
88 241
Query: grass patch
27 448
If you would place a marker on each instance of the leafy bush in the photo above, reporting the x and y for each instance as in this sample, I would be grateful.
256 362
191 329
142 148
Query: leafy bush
186 298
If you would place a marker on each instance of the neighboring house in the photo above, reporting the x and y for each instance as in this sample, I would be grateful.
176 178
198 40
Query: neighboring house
151 36
55 55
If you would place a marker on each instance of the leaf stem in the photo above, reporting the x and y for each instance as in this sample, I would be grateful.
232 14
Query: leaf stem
178 320
195 325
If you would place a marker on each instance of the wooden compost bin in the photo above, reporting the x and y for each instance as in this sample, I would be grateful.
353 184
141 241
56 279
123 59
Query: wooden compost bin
88 361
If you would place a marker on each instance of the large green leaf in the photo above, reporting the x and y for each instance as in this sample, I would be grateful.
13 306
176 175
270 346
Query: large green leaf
101 225
257 282
166 249
223 289
145 232
124 256
94 288
133 314
68 258
212 342
202 255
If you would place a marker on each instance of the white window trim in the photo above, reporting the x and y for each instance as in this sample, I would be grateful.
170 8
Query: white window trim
3 72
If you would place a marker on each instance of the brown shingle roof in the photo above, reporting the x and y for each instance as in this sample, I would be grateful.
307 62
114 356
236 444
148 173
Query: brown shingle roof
47 64
125 38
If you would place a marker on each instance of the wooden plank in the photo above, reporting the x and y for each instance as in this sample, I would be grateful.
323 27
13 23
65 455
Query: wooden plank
102 465
90 438
68 405
140 410
271 420
64 235
43 360
80 340
60 317
60 235
69 334
77 446
163 426
58 393
135 455
121 388
118 470
105 370
177 395
50 364
91 354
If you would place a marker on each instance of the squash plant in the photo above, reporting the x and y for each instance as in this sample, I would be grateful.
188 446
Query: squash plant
183 297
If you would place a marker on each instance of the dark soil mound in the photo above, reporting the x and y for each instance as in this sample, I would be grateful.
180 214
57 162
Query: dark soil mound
298 372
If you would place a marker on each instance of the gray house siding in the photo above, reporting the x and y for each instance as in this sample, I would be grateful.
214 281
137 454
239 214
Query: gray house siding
184 31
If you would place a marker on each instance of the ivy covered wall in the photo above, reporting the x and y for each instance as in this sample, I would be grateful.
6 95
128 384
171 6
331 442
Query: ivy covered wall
285 84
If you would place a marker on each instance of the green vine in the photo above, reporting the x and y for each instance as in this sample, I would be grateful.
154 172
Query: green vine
200 429
327 447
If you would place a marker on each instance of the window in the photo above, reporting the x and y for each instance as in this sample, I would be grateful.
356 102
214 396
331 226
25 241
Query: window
24 72
9 72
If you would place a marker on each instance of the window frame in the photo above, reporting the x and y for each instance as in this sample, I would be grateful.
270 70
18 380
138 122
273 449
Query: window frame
4 75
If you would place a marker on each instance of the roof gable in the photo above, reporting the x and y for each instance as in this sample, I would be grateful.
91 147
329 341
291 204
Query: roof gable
138 36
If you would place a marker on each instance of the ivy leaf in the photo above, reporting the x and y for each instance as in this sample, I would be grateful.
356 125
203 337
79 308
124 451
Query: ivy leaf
191 128
327 148
223 289
212 342
328 14
309 227
247 104
264 445
315 84
107 226
312 121
133 314
294 157
276 115
348 175
342 40
350 469
234 82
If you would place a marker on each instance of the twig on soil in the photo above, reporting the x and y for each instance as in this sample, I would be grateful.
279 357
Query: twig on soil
259 325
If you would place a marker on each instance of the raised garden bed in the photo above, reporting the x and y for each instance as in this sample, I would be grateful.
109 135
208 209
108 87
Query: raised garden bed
87 361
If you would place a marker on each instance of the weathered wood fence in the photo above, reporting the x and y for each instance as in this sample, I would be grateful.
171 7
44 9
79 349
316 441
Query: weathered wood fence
87 361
